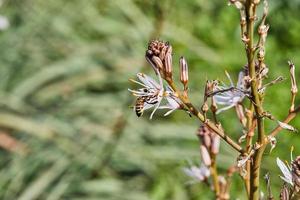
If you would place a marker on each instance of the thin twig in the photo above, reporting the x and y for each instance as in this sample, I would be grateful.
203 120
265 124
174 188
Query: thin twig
193 110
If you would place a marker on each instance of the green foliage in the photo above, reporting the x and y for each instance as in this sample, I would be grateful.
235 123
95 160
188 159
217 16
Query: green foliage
64 69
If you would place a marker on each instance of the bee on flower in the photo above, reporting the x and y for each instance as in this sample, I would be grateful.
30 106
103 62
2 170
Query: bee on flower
151 95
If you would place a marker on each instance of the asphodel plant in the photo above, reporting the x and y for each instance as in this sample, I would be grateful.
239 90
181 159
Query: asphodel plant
246 97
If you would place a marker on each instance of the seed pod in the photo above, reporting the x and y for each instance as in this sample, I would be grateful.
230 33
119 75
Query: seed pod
184 74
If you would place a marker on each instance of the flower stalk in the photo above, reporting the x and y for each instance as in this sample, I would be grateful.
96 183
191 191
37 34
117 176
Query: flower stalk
250 87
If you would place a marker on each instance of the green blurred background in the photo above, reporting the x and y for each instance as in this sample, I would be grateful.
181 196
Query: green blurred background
67 129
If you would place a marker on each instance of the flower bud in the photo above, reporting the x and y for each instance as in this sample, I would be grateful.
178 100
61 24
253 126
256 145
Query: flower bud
158 63
215 144
184 74
204 135
205 155
168 63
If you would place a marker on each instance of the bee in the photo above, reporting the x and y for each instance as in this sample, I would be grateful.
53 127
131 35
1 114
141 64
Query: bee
139 106
140 103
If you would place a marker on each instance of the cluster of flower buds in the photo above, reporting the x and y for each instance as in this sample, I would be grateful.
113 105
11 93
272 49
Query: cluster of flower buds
210 143
159 55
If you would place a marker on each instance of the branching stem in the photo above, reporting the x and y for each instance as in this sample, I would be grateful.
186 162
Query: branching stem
193 110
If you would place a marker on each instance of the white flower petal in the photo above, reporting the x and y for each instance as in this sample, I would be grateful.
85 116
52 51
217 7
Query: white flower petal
225 108
285 171
148 81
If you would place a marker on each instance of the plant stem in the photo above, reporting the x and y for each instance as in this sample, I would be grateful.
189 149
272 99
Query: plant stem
250 50
193 110
214 174
213 168
248 147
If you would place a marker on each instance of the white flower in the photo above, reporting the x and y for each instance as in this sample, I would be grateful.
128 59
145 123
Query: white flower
197 173
151 91
230 96
173 104
286 171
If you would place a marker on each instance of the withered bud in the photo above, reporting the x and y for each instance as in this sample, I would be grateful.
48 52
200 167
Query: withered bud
296 172
204 107
205 155
184 74
263 32
284 193
264 70
294 88
261 54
